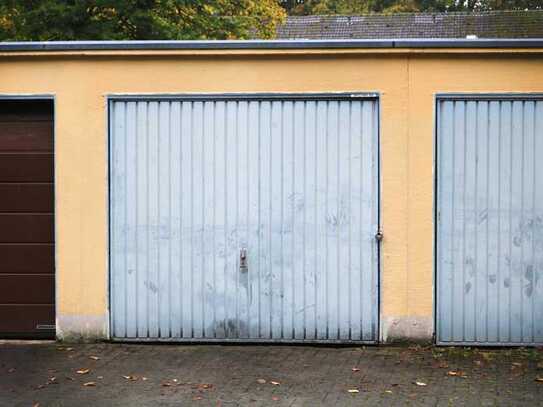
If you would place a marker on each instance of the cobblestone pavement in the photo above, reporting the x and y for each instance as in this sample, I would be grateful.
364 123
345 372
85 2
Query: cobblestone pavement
51 374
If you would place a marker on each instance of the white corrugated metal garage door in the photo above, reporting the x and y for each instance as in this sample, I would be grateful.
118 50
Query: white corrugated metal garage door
490 220
244 218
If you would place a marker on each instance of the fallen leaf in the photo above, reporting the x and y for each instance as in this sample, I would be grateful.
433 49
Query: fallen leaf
131 378
94 357
539 379
205 386
82 371
53 379
89 384
457 373
353 391
144 378
388 391
260 381
487 355
355 369
275 383
166 384
421 384
100 377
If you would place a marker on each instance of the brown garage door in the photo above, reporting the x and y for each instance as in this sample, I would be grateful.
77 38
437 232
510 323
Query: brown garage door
27 246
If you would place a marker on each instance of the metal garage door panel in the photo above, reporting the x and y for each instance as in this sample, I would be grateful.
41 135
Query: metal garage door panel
27 243
490 222
294 183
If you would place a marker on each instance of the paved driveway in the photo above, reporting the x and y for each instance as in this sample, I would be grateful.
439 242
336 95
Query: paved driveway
49 374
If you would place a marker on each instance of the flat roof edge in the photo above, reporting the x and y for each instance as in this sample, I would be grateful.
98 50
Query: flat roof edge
268 44
470 43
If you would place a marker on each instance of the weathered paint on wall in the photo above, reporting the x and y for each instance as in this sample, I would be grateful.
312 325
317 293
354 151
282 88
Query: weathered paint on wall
407 82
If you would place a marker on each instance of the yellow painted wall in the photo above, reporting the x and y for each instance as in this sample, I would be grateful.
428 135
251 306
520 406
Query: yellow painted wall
407 82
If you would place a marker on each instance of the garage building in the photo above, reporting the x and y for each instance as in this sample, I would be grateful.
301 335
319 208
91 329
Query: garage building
359 191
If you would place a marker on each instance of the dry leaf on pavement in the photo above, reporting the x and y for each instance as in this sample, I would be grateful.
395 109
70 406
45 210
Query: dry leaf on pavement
353 391
89 384
539 379
355 369
487 355
82 371
275 383
457 373
421 384
260 381
94 357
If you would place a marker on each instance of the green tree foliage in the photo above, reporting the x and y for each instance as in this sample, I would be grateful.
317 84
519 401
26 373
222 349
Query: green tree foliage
49 20
329 7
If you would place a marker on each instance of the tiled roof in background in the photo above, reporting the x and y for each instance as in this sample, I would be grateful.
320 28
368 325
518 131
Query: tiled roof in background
497 24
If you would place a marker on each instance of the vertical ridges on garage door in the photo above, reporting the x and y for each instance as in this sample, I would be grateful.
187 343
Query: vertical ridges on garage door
490 221
193 182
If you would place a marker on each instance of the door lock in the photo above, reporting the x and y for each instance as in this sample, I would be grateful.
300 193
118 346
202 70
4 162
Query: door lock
243 260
